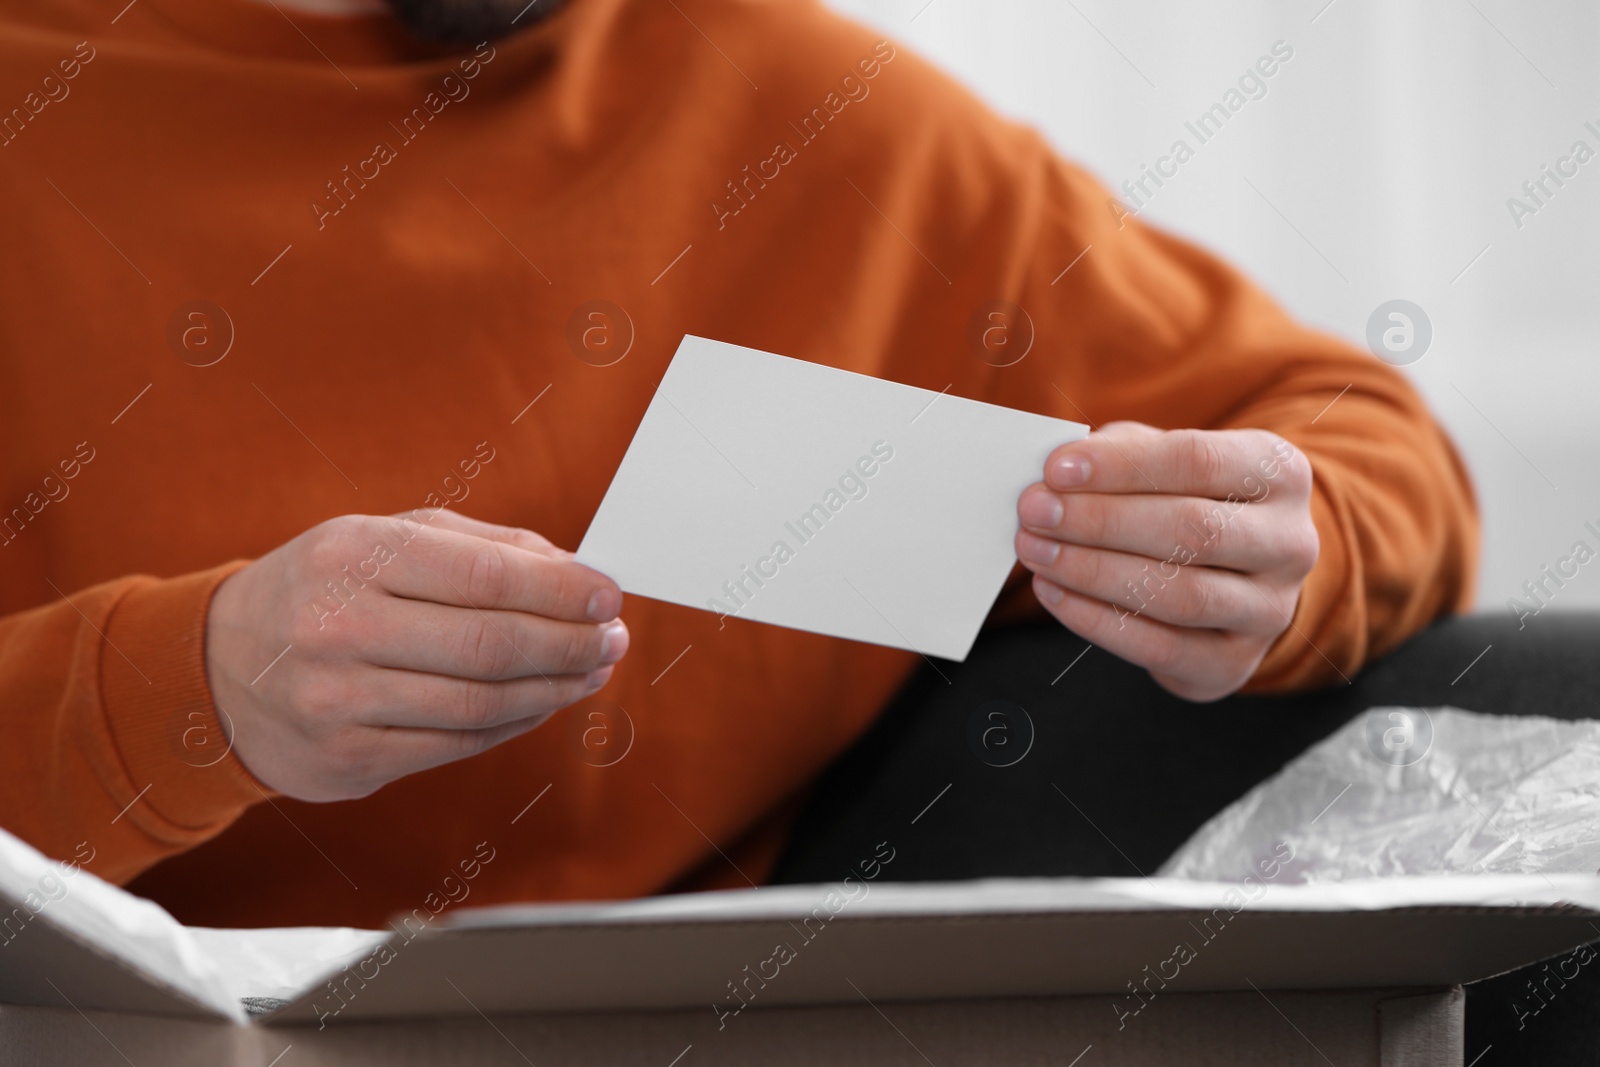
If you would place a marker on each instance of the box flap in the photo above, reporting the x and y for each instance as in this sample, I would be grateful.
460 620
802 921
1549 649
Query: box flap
818 944
49 966
69 939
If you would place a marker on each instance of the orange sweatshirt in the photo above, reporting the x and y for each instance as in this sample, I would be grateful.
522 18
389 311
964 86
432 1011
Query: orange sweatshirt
259 268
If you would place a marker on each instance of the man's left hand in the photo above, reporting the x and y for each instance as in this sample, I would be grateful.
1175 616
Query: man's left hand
1181 551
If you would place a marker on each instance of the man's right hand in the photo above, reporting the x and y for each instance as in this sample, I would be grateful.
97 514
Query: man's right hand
397 645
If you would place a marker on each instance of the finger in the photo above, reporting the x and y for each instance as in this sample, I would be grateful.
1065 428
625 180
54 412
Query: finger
1194 596
400 698
445 519
1172 653
485 645
1208 463
1186 529
447 567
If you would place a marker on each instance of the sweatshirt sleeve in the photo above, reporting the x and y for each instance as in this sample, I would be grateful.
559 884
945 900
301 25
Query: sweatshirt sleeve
1132 323
113 747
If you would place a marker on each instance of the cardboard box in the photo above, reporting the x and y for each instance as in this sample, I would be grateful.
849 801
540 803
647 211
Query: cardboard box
1072 971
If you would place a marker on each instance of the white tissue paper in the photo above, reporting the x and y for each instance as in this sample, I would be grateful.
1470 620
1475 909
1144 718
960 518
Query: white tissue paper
1418 791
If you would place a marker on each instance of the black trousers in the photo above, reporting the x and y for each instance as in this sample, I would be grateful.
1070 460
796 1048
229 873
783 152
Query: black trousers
1117 773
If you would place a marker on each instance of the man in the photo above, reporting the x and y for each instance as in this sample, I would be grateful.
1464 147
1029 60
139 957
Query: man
277 271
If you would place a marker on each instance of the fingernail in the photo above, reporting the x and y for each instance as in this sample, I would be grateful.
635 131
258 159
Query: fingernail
1048 592
1037 550
1067 472
1040 508
604 605
597 678
613 642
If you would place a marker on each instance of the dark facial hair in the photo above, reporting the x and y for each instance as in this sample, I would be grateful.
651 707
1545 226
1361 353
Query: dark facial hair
469 22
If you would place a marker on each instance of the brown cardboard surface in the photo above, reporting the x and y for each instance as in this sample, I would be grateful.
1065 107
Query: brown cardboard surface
1418 1030
661 965
1283 1029
1141 973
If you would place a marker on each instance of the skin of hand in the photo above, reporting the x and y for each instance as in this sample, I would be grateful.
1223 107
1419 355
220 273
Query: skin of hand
467 634
1181 551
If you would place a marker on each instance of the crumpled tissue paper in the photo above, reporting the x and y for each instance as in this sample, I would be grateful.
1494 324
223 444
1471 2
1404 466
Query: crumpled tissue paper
1418 791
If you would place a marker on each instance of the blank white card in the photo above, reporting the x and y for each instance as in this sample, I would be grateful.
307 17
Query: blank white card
785 492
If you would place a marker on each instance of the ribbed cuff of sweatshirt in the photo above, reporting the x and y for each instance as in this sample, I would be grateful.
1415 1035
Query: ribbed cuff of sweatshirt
184 783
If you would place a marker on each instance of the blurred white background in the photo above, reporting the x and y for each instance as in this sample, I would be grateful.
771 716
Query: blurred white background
1382 158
